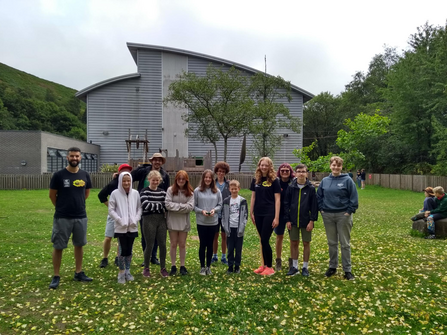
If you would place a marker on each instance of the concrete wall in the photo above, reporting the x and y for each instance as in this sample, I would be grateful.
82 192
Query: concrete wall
173 126
31 146
18 146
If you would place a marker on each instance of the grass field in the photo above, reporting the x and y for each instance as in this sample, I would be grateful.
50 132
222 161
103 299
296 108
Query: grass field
400 286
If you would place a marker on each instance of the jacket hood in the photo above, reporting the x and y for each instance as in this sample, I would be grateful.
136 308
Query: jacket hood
120 181
295 182
341 176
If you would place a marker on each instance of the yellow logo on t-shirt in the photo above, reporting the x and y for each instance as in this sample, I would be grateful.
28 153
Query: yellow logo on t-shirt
79 183
266 183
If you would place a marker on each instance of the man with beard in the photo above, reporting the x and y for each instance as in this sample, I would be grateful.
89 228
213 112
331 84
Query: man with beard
69 188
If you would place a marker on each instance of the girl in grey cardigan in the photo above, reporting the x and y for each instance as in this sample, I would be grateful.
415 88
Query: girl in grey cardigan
207 203
179 203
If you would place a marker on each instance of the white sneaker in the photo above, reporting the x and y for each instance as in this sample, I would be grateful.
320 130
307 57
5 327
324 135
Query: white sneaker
121 278
208 271
202 271
128 276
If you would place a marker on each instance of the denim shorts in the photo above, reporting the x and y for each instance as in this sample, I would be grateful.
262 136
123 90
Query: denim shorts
110 227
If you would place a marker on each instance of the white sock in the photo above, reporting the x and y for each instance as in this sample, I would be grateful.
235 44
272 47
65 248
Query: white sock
305 264
295 263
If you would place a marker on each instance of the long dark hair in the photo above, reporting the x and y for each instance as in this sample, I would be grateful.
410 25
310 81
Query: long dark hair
202 186
187 190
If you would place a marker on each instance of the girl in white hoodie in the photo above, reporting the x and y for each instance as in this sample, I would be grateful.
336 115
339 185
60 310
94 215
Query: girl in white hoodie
125 209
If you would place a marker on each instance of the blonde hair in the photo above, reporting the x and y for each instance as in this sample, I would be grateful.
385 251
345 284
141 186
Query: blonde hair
337 160
236 183
271 174
438 190
156 174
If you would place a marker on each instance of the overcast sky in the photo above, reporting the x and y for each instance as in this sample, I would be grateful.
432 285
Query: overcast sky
316 45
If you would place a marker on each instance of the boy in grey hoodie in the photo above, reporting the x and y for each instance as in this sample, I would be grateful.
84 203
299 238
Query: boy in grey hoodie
234 220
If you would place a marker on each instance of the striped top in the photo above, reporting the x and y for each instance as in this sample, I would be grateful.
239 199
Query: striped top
152 201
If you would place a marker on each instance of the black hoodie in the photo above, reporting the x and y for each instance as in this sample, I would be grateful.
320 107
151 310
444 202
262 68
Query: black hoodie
302 203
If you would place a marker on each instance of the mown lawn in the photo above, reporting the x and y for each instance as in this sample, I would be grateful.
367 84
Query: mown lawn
400 286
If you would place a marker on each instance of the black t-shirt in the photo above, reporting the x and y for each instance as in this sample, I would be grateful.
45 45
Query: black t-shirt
70 200
265 196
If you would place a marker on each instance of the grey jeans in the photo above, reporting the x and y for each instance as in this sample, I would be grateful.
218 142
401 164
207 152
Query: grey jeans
338 229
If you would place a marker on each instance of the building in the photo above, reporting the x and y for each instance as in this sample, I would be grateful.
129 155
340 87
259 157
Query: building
135 101
37 152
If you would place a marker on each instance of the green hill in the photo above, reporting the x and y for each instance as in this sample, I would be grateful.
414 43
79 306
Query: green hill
31 103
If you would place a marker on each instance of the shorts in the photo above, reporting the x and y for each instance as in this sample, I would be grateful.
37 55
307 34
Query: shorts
281 227
63 228
219 226
294 234
110 227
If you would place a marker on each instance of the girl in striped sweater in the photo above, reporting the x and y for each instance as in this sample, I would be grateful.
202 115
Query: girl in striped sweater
154 221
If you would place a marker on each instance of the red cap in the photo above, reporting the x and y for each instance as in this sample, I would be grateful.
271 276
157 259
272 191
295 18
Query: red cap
124 166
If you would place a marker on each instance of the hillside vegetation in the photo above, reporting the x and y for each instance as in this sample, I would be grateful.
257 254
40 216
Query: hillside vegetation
31 103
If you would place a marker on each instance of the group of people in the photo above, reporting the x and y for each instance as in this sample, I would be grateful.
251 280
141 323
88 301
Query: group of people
434 208
278 200
361 177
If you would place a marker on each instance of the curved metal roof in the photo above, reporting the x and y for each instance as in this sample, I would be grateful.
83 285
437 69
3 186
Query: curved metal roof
133 47
83 93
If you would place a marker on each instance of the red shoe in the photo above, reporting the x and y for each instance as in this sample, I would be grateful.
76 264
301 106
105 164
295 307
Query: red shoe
267 272
259 270
146 272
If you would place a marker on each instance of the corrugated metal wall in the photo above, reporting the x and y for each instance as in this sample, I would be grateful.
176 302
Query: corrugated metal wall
293 140
131 103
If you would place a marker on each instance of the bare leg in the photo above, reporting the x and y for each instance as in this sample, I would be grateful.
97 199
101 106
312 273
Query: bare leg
306 251
106 246
78 254
215 243
182 246
57 259
223 243
294 249
279 240
173 238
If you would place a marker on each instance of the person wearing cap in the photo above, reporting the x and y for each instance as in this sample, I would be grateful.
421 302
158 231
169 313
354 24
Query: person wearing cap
103 196
140 174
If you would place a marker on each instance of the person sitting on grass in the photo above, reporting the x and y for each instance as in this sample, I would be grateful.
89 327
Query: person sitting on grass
440 212
234 220
300 212
125 210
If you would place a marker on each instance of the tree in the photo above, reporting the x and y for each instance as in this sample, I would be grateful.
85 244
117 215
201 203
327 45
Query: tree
218 104
364 137
269 113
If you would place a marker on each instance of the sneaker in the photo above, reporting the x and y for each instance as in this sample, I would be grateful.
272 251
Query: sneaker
173 271
142 264
121 278
430 237
81 277
230 270
305 272
154 260
259 270
237 270
55 282
224 261
128 276
183 271
268 271
208 272
104 263
330 272
202 271
278 266
146 272
164 273
214 259
349 276
116 261
292 271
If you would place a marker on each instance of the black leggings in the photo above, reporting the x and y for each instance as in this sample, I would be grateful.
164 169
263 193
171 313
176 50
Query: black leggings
126 244
265 230
206 237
